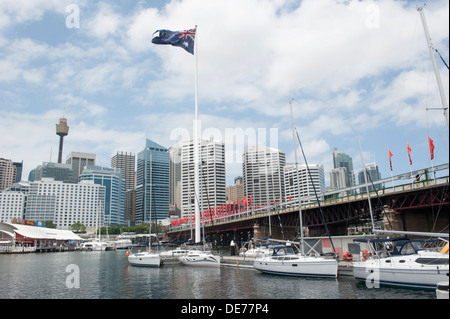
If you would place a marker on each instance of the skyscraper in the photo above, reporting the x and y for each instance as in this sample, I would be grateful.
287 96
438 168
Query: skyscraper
78 161
212 182
8 172
341 159
175 180
294 182
263 170
372 175
152 189
127 163
111 178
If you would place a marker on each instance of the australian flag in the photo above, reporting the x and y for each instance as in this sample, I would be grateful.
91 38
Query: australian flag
184 39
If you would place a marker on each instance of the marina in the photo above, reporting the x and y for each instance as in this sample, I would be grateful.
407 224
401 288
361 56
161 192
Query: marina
108 275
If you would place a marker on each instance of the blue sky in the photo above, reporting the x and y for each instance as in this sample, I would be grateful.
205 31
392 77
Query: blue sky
355 69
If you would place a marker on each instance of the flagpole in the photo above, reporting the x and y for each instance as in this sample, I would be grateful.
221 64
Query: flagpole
196 151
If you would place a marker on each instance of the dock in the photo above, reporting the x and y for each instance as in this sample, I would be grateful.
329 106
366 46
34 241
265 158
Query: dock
344 268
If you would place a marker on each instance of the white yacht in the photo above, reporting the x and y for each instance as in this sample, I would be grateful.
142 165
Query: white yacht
401 262
284 261
94 246
200 258
146 259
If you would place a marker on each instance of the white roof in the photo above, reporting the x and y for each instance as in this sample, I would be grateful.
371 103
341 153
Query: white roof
35 232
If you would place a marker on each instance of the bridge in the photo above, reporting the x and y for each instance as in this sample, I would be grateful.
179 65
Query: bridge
420 204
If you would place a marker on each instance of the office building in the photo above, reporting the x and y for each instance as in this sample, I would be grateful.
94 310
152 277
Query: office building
12 205
235 191
341 159
373 175
303 182
152 189
126 161
57 171
78 161
263 170
8 172
66 203
175 180
111 178
212 184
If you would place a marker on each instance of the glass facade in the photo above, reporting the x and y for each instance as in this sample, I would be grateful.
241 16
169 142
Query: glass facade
152 190
111 178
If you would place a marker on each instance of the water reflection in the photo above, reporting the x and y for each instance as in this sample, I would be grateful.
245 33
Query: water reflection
108 275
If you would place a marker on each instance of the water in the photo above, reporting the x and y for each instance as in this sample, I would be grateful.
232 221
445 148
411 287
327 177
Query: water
107 275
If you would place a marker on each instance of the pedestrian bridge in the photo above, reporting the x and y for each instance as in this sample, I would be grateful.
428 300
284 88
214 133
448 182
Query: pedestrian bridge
416 201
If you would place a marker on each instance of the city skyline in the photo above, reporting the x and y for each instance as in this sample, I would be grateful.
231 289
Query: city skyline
116 88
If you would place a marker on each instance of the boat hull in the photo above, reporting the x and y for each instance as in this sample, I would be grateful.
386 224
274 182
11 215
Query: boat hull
203 260
298 266
401 271
145 260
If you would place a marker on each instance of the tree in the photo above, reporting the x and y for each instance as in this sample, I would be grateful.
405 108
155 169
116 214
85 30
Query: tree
78 228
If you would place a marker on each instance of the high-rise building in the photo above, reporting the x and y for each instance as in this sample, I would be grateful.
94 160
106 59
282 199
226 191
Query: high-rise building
65 204
8 172
341 159
175 180
57 171
212 184
263 170
111 178
372 175
78 161
296 181
152 189
126 161
235 191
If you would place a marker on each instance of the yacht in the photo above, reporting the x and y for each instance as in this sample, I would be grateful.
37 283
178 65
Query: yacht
200 258
401 262
146 259
284 261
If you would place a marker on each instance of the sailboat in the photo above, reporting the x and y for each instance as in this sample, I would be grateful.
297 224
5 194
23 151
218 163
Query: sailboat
404 262
284 261
97 244
146 258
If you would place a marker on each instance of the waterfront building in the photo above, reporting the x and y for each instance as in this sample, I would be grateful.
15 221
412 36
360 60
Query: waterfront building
235 191
175 180
152 183
300 181
212 183
57 171
263 170
12 205
111 178
9 172
66 203
126 161
78 161
373 175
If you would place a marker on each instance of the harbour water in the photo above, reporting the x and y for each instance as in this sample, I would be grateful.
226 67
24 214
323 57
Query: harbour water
107 275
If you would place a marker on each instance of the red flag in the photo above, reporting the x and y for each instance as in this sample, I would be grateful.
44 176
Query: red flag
390 155
430 143
409 154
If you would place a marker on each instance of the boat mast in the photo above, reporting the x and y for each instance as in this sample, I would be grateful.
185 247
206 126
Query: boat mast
367 187
298 180
433 59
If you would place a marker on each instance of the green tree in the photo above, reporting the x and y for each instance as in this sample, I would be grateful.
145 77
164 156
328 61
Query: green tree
78 228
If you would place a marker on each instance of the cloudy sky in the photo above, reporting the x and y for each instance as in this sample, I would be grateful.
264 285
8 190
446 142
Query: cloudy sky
354 69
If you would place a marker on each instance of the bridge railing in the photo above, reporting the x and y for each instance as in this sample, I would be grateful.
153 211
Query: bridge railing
328 198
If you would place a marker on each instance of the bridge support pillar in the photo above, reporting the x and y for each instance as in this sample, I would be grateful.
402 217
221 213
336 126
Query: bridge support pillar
391 217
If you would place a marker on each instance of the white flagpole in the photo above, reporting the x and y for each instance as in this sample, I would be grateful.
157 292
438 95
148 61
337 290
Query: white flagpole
196 153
